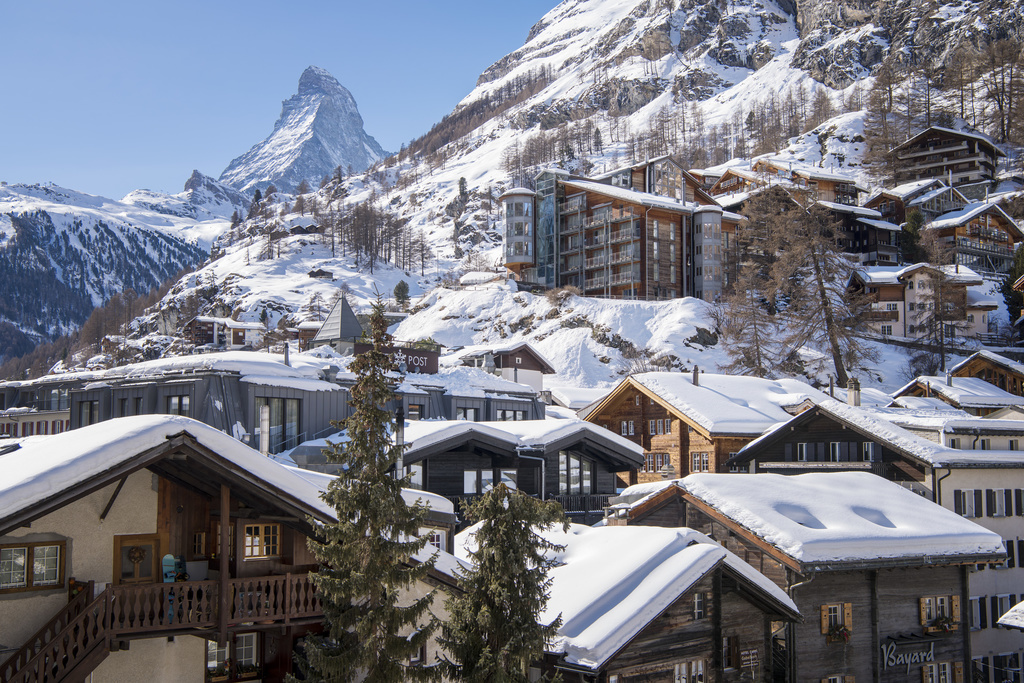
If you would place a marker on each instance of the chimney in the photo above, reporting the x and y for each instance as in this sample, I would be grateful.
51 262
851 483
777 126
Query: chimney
853 391
949 379
287 358
696 376
831 386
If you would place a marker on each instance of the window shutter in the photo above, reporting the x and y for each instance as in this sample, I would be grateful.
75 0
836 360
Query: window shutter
990 502
824 619
848 615
958 506
1008 502
1018 496
958 672
995 611
848 679
922 611
925 671
1010 547
978 512
982 613
955 603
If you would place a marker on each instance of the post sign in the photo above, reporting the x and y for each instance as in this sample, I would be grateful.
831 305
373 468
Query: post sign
408 360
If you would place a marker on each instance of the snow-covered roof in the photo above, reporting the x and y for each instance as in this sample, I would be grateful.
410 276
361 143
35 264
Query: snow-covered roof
941 129
611 582
841 518
1014 618
517 191
48 465
642 198
577 398
467 382
860 211
966 392
893 275
967 213
992 357
423 434
477 350
881 225
341 323
729 404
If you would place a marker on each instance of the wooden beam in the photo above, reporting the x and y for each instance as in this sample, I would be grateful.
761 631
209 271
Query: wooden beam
113 497
225 550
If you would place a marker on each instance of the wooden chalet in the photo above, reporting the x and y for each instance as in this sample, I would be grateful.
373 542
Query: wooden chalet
694 422
223 332
956 155
879 574
520 362
971 466
997 370
932 198
973 395
648 604
154 546
982 236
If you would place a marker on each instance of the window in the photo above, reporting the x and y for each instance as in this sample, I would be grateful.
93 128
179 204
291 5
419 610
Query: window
415 474
243 651
416 411
834 449
801 452
978 613
986 444
469 414
954 443
199 544
837 620
967 502
668 425
867 453
631 428
261 541
730 652
1014 445
691 671
32 566
88 413
910 306
970 317
284 421
892 307
575 474
177 405
437 539
939 612
652 428
1000 502
942 672
624 428
477 481
1007 667
419 657
699 605
887 330
653 462
700 462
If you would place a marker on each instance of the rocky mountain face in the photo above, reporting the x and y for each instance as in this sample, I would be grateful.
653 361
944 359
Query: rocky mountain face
319 129
63 252
841 42
203 198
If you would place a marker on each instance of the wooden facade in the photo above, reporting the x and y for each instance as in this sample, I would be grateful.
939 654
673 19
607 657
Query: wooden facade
674 444
994 369
945 153
863 620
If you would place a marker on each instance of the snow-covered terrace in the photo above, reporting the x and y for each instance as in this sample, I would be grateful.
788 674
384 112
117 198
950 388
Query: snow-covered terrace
967 392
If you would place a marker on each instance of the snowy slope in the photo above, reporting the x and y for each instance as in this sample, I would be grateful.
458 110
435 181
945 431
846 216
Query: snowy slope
319 129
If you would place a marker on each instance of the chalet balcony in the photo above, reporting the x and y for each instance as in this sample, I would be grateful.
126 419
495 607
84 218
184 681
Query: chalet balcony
883 316
626 235
977 246
80 635
611 216
918 150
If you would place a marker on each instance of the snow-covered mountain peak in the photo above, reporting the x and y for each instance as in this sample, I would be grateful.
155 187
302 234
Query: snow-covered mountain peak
319 129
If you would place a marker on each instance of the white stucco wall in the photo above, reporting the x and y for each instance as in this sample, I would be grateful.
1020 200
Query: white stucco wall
182 660
90 549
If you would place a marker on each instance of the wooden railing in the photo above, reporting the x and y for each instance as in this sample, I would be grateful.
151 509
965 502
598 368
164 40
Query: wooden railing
582 502
47 633
82 631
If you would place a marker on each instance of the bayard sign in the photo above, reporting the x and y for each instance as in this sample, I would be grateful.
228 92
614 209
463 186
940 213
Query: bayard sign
905 654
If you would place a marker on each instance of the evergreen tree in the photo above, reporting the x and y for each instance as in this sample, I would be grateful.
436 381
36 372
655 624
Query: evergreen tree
493 633
402 293
911 250
372 625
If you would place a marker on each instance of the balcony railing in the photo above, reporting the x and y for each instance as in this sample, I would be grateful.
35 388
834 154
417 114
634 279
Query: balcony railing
965 244
884 316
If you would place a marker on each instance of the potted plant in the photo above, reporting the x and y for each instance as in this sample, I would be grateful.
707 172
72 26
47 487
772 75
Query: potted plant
220 673
944 623
837 633
248 671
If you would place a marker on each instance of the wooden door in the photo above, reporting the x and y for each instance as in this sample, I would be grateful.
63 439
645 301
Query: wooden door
137 558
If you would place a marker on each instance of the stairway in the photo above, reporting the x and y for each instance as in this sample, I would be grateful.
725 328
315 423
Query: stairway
68 648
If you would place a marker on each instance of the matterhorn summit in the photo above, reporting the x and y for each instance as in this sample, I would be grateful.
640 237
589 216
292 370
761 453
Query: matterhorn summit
319 129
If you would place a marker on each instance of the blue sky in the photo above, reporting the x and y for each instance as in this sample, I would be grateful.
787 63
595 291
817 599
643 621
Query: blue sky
106 97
